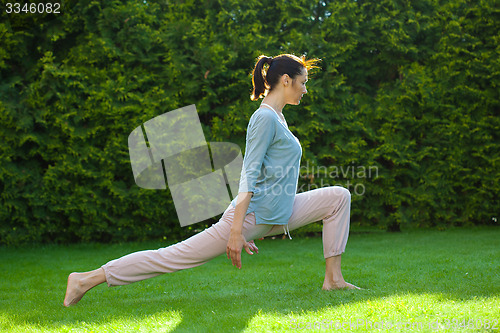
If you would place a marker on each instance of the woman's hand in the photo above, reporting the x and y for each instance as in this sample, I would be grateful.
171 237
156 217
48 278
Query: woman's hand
235 244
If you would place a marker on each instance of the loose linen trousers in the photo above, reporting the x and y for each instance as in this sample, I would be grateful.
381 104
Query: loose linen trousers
330 204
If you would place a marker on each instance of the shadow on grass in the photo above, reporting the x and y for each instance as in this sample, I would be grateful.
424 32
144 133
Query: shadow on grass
282 281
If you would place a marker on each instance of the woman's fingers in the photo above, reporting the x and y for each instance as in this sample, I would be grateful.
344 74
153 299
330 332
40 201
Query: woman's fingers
247 248
232 254
236 258
253 247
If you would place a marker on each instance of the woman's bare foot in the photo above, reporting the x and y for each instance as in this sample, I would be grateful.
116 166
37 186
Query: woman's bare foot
80 283
338 285
74 290
333 275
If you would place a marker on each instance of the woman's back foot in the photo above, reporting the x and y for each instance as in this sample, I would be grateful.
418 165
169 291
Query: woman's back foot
74 290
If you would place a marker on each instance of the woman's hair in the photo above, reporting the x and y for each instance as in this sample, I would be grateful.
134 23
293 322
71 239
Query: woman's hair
266 79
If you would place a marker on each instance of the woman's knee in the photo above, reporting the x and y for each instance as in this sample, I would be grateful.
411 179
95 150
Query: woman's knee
341 192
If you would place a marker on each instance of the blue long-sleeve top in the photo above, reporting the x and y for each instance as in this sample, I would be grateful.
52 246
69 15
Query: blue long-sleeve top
270 168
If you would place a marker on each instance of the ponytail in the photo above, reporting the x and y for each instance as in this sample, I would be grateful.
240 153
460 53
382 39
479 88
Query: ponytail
258 78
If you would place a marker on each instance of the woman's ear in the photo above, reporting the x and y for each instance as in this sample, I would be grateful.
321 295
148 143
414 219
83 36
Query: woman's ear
285 79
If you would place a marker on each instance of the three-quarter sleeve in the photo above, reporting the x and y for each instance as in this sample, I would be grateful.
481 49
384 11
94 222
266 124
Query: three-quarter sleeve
260 133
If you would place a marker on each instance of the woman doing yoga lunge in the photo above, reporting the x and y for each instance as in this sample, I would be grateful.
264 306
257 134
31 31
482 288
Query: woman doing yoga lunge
267 203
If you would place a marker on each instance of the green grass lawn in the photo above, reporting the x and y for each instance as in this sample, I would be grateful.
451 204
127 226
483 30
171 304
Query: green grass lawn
413 281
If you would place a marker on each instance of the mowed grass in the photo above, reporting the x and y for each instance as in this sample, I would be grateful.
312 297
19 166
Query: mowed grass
414 281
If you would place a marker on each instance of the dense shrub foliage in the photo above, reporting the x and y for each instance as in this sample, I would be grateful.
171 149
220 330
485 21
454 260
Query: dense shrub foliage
403 111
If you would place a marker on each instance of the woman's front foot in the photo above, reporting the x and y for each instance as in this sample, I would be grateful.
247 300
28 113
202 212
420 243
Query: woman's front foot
331 285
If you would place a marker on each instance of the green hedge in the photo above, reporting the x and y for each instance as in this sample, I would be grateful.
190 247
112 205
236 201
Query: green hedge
404 110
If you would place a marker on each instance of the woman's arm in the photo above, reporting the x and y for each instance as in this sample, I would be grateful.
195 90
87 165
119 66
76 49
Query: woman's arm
236 239
260 134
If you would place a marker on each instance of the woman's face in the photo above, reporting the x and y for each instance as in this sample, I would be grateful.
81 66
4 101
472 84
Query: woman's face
298 88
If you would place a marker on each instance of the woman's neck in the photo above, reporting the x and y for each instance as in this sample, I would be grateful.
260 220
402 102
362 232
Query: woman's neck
275 102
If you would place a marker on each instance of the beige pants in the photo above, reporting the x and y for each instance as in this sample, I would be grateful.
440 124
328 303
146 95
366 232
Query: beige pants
330 204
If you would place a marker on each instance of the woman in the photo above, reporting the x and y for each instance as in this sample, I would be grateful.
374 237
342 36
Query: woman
266 205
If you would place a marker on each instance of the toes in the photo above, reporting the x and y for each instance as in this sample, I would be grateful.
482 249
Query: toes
339 286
